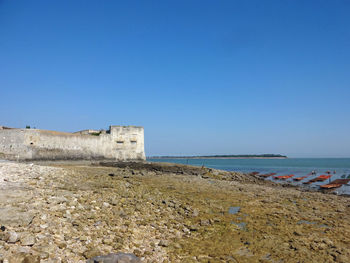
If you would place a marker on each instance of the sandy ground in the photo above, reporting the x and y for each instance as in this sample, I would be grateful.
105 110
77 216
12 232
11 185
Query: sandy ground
69 213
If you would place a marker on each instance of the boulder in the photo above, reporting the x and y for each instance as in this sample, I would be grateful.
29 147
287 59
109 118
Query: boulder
12 216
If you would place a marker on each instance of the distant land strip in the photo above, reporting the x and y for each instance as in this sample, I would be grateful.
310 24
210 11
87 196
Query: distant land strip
231 156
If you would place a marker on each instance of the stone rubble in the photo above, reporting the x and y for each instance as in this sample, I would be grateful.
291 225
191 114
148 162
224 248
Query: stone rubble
75 213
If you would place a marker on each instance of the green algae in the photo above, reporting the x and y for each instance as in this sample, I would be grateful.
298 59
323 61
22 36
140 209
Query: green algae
195 201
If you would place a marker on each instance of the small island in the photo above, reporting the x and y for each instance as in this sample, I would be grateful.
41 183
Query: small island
230 156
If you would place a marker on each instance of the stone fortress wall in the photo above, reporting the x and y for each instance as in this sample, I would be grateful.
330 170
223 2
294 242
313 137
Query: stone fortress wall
123 143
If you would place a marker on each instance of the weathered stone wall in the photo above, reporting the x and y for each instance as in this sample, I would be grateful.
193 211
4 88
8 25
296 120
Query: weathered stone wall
121 143
12 145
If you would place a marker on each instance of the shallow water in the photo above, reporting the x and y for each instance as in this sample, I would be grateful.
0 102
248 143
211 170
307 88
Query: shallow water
234 210
297 166
305 222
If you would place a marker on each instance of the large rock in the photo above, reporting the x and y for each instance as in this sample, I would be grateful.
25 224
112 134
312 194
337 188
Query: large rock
12 216
115 258
12 237
9 237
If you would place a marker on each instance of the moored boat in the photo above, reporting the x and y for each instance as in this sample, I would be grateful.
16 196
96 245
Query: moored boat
320 178
284 177
300 178
335 184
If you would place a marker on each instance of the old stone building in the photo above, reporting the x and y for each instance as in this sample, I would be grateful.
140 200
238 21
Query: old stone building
123 143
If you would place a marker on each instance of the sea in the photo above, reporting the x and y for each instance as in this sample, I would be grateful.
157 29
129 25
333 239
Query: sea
339 168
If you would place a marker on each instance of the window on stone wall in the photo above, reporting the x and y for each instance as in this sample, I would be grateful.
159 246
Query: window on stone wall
120 142
133 142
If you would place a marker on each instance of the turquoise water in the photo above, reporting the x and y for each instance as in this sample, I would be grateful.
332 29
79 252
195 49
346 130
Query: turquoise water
297 166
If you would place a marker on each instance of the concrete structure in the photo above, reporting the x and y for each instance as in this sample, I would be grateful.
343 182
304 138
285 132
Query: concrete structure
123 143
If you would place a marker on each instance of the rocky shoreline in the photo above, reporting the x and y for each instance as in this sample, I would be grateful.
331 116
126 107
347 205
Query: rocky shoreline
71 212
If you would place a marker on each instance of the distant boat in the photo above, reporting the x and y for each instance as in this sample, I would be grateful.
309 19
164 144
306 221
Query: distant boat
301 178
305 176
284 177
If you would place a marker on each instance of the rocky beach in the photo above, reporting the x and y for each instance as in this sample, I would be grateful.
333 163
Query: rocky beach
73 212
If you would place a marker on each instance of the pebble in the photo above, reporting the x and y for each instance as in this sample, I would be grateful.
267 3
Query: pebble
28 240
13 237
163 243
195 212
91 253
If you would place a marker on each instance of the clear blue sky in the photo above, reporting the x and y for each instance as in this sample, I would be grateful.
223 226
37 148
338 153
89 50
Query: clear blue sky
202 77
